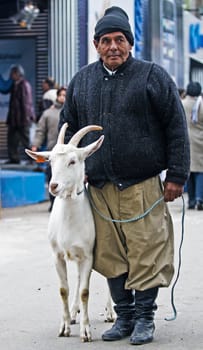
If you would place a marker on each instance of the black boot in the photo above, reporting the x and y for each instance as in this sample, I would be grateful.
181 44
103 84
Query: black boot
144 316
199 205
124 307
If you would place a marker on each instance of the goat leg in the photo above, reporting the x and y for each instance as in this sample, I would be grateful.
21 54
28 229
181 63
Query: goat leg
109 312
64 292
75 309
85 268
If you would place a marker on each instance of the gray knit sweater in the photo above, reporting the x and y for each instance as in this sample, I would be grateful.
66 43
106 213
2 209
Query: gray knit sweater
142 118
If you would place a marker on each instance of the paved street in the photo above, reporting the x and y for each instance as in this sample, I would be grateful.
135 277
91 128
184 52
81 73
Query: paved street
30 307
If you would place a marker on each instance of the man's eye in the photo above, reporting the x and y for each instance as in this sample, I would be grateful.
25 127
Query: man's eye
105 41
120 40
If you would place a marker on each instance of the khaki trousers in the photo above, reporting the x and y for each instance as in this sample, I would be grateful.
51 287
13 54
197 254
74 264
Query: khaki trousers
143 248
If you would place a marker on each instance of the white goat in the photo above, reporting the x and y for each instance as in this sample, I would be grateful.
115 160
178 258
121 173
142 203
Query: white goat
71 225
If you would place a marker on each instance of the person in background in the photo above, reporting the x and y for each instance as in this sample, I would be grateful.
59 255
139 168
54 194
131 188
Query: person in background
20 114
49 89
5 85
182 92
193 106
138 105
47 130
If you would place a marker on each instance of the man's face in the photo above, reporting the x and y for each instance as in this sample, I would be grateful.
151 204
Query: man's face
113 49
15 76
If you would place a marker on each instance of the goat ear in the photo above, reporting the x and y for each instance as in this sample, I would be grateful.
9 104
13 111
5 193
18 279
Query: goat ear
40 157
93 147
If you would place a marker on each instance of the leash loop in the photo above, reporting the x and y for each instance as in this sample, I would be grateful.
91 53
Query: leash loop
136 218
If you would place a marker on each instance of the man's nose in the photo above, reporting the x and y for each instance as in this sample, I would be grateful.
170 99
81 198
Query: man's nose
113 45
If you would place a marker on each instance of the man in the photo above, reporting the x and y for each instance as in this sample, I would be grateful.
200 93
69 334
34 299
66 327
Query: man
143 121
20 114
49 89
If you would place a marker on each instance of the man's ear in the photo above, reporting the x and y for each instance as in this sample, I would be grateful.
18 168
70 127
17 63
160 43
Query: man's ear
96 43
130 47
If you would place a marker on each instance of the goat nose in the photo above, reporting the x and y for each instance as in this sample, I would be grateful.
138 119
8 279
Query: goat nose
53 186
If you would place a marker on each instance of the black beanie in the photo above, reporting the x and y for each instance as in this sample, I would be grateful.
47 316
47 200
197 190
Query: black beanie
115 19
194 89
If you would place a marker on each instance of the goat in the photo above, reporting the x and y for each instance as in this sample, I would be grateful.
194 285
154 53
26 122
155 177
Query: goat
71 228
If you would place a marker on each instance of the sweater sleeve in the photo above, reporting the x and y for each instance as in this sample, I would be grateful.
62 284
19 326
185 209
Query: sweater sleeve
69 112
167 106
40 131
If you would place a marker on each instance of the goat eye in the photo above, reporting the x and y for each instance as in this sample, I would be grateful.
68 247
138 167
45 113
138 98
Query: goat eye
72 162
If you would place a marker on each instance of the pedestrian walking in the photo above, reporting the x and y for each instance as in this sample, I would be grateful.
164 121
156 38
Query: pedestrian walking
49 95
193 105
47 130
138 105
20 114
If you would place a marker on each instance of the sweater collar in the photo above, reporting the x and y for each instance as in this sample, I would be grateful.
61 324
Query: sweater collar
120 68
58 104
111 72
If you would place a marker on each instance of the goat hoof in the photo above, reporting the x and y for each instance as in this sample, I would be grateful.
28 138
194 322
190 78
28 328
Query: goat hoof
67 334
64 332
86 336
61 331
74 316
86 339
109 316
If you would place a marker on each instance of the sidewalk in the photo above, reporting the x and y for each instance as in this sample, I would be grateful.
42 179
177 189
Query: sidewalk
30 304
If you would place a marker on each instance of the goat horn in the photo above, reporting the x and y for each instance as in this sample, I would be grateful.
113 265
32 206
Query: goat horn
82 132
61 135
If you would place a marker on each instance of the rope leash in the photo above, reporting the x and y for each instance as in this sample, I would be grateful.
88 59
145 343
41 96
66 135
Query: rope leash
179 265
136 218
141 217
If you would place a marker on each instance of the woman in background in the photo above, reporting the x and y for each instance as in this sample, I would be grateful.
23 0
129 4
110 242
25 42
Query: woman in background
193 106
47 129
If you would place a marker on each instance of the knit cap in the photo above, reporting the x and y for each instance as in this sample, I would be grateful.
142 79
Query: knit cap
115 19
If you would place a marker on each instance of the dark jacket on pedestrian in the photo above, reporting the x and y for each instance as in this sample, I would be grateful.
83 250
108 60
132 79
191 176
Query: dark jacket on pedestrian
21 111
144 133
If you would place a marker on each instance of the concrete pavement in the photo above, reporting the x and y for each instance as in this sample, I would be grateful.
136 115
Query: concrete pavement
30 307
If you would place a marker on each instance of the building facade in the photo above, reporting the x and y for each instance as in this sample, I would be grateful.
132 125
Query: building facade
48 45
58 40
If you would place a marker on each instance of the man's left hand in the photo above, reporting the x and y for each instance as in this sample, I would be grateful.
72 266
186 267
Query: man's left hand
172 191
